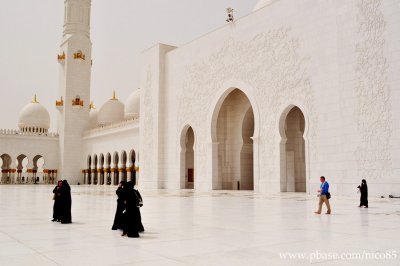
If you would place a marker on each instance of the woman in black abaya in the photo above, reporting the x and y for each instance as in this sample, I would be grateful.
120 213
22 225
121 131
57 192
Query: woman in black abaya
66 203
131 213
364 193
140 204
119 219
57 203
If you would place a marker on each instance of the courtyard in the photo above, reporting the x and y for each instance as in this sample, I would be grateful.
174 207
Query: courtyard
197 228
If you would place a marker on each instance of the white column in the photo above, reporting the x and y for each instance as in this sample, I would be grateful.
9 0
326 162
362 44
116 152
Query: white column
128 174
98 177
105 176
113 175
94 170
120 173
136 166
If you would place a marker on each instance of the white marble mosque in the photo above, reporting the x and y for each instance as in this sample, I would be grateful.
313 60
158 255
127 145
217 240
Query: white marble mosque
227 137
269 102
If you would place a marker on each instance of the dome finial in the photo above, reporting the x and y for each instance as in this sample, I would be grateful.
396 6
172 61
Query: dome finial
35 99
114 97
91 105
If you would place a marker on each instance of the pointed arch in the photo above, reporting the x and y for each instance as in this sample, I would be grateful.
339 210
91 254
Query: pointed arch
293 129
231 156
187 157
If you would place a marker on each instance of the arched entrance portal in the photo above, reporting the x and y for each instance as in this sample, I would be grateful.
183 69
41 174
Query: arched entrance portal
22 168
38 165
5 169
187 158
232 144
293 155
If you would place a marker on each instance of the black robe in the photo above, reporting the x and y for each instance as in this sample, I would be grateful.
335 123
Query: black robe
119 217
364 195
66 203
139 216
131 213
57 204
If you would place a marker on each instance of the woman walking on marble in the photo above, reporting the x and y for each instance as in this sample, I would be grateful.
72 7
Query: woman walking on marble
57 202
66 202
139 205
130 227
119 217
364 194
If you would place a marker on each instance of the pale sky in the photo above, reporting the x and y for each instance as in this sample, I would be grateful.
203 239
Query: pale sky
31 32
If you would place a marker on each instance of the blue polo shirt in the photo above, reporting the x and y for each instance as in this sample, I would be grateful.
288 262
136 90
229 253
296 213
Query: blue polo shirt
324 188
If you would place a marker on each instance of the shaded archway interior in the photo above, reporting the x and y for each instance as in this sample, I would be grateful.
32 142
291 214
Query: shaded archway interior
234 128
293 156
189 159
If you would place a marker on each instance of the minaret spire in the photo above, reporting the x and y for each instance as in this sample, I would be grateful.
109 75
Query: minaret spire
75 70
77 17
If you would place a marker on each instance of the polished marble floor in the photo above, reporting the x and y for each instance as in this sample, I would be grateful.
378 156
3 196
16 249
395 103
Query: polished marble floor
197 228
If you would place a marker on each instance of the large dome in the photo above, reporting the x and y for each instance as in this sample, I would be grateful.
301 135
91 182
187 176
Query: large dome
111 112
34 117
262 3
132 105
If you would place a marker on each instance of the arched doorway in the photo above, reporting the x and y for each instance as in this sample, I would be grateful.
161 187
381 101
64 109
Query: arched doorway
132 160
116 172
293 154
108 169
6 168
38 165
187 158
95 173
89 167
123 166
101 178
22 168
232 132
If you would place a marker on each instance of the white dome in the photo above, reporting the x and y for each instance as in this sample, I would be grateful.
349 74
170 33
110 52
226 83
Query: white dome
112 111
132 105
34 116
262 3
93 118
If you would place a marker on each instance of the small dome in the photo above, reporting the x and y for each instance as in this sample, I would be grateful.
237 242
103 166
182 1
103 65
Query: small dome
262 3
34 117
132 105
111 112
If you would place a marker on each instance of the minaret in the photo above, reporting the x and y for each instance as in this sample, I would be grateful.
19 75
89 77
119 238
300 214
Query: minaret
74 88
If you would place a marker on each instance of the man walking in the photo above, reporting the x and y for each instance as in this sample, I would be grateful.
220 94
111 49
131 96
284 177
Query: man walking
324 196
